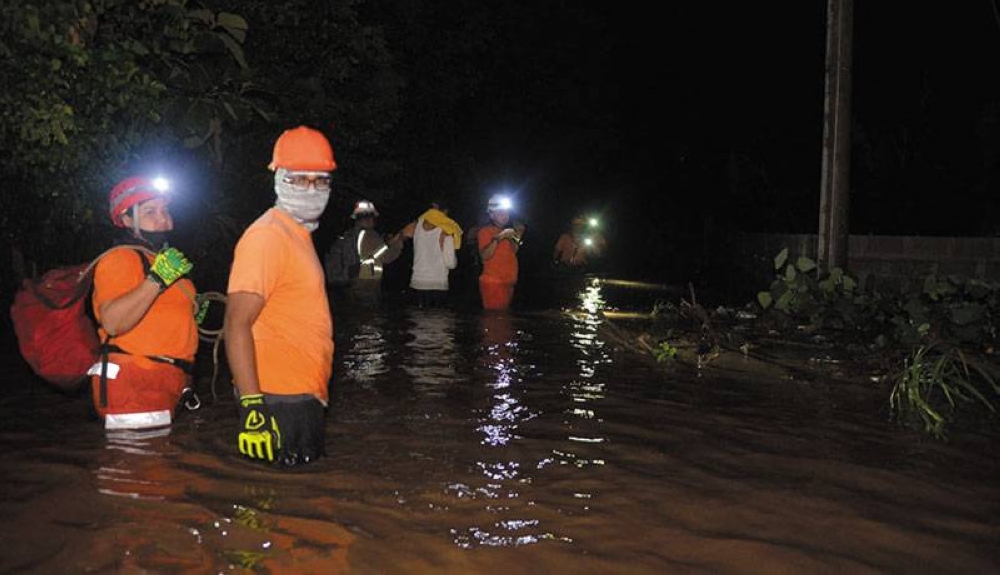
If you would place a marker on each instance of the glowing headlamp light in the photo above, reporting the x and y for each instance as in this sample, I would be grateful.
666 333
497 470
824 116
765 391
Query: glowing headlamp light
503 203
588 242
161 184
593 222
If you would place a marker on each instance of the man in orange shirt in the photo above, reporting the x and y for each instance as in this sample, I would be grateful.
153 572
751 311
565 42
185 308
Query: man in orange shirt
575 248
278 329
498 245
145 309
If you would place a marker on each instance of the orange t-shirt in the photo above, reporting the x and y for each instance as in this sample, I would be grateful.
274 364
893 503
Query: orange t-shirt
502 267
168 328
293 335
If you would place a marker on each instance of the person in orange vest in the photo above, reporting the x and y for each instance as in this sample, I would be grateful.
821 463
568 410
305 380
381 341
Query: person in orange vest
278 328
498 243
576 248
145 309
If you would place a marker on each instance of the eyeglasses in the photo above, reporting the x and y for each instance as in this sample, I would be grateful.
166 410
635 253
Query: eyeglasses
302 180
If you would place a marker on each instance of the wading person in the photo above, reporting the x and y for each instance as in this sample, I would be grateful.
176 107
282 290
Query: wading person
357 258
435 239
575 248
145 312
498 243
278 329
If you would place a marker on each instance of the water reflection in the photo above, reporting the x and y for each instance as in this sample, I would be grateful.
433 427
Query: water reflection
133 465
365 359
510 519
551 452
499 355
586 341
432 355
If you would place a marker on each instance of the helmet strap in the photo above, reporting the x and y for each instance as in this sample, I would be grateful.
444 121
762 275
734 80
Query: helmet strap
135 220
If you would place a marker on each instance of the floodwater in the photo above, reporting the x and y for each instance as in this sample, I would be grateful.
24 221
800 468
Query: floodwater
466 442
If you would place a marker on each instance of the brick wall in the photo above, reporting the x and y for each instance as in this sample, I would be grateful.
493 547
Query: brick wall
896 260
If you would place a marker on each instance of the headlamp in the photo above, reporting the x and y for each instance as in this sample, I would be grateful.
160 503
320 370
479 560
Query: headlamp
161 184
593 222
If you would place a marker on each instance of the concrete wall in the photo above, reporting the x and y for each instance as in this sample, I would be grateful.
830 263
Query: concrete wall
896 260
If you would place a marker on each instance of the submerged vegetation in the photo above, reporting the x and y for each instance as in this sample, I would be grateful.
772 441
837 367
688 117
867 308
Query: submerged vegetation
945 332
936 382
934 344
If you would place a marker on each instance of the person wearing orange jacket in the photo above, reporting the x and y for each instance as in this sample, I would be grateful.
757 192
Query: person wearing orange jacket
498 243
145 309
278 329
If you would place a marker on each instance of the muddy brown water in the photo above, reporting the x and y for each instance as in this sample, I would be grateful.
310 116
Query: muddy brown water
467 442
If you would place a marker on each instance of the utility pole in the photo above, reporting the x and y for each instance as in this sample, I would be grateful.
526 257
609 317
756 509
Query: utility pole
835 187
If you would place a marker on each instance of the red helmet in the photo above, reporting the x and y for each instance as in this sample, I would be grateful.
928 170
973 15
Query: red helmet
303 149
129 192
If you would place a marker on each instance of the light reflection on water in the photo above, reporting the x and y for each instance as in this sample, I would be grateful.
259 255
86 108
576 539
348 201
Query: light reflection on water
365 357
431 350
472 442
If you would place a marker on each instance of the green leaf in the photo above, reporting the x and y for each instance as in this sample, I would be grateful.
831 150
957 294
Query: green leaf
764 299
234 24
968 313
780 259
849 283
790 273
930 286
784 301
235 50
138 48
805 264
205 16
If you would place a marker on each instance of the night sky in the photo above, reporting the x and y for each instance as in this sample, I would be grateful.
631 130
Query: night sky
710 114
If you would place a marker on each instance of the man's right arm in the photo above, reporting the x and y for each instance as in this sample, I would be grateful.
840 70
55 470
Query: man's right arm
242 309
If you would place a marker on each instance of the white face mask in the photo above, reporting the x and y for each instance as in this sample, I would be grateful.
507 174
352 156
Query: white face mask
305 207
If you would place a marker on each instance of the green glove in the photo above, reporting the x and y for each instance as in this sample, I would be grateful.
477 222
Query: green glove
202 301
260 436
168 266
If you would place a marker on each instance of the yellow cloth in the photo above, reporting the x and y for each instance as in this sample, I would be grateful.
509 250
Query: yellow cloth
449 226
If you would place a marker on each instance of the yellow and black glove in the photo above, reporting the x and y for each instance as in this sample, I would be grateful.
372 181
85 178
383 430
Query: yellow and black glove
168 266
259 436
202 303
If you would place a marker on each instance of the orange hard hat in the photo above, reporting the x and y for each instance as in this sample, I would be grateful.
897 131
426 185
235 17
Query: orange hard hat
303 149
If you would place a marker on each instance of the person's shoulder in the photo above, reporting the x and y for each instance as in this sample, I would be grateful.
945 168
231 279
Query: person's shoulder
118 263
122 255
262 236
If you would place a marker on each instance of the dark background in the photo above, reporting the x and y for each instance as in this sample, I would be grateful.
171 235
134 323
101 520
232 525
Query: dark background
676 124
683 123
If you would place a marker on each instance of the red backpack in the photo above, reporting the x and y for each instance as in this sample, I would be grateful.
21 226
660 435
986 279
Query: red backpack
54 333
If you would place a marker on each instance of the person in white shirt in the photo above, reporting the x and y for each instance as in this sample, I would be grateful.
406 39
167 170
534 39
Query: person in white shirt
435 238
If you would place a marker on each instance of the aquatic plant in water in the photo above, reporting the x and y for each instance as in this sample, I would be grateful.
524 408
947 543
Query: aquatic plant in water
664 352
934 383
